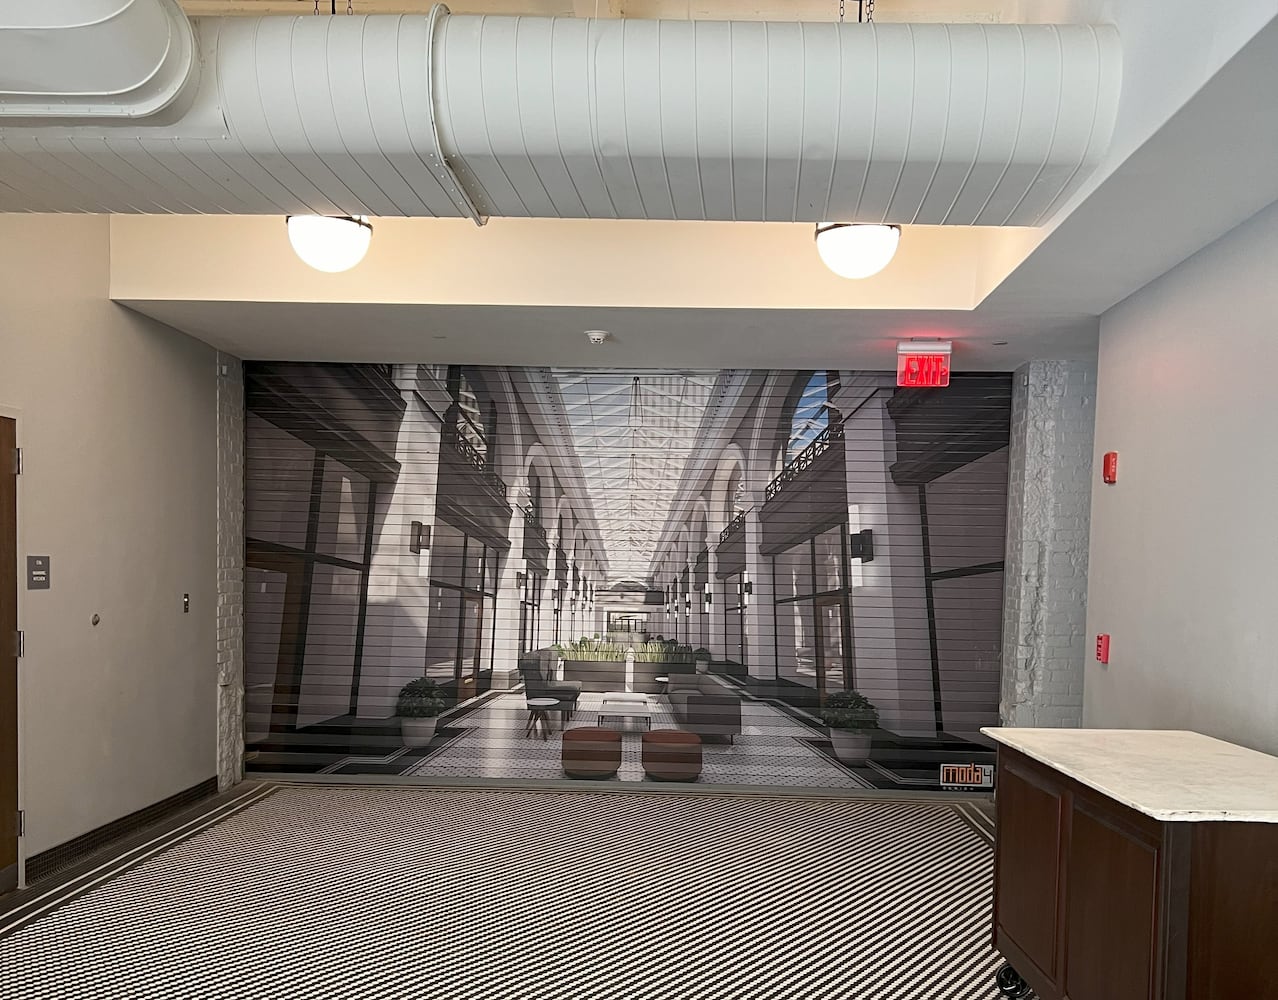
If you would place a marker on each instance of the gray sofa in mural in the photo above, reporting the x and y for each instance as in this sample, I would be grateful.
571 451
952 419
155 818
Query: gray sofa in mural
703 706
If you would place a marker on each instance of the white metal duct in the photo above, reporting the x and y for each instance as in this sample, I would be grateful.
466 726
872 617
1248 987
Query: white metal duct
927 124
563 117
93 59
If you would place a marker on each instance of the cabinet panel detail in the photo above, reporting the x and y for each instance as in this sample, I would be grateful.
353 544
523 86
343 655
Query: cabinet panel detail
1029 837
1111 893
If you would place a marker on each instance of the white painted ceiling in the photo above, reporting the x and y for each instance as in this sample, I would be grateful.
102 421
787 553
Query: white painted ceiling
1193 156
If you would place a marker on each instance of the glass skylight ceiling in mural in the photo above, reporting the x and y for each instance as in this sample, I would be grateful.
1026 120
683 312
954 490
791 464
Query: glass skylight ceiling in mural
633 433
811 414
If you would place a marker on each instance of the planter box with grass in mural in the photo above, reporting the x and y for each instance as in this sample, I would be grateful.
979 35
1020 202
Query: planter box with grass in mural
598 664
660 658
852 720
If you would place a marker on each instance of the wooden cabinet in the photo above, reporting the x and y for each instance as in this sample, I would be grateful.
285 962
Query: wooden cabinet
1095 900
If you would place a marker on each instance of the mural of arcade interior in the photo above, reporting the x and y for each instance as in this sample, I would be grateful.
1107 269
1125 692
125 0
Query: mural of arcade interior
740 547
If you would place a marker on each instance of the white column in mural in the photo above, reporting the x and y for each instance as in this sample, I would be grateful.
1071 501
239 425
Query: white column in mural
399 579
760 625
716 642
551 593
893 663
505 623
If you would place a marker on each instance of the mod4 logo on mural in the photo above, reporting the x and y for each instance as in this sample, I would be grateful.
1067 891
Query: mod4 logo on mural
961 776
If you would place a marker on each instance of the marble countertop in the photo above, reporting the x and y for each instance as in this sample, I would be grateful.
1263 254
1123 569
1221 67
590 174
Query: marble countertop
1172 775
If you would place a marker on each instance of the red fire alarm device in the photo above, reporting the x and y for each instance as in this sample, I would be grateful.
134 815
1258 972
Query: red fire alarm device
923 364
1102 647
1109 467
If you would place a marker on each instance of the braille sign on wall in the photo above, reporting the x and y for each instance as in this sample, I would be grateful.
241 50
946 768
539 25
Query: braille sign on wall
37 572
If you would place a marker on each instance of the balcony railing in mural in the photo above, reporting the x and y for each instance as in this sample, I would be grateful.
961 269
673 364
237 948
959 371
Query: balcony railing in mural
533 525
454 439
736 524
803 461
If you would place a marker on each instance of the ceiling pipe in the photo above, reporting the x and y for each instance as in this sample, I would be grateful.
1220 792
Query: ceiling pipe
799 122
470 116
93 60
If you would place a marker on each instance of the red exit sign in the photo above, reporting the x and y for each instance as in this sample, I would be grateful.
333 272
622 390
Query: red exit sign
923 365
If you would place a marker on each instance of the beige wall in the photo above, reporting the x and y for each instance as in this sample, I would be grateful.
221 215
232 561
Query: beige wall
1184 548
117 424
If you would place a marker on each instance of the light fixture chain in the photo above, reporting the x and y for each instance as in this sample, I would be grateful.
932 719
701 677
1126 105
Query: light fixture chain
869 12
350 6
842 4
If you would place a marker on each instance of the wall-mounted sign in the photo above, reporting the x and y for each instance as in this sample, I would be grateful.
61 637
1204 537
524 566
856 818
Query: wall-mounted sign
37 572
923 364
957 777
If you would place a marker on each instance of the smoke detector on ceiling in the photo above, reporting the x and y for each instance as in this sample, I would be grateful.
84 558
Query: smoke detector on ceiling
596 336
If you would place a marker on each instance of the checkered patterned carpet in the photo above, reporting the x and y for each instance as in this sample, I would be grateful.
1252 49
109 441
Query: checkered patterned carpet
359 892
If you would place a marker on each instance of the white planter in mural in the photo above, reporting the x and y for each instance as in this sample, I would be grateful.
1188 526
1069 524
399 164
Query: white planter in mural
852 746
417 732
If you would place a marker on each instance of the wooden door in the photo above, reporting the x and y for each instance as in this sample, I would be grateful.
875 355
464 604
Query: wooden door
8 656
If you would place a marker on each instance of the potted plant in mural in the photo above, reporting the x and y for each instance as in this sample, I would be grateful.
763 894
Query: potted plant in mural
418 708
851 718
702 660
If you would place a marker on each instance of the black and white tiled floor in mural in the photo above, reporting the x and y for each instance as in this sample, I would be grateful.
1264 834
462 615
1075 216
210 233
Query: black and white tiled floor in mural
364 893
770 750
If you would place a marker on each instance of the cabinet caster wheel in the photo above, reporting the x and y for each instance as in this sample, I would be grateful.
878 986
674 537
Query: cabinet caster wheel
1010 983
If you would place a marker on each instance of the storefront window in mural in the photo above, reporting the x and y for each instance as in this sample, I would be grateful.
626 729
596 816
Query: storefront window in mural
714 552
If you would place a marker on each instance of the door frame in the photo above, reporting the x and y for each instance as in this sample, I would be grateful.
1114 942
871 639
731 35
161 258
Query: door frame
468 674
818 604
17 879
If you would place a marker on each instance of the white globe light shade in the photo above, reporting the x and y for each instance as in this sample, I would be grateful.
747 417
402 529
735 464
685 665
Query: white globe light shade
330 243
856 251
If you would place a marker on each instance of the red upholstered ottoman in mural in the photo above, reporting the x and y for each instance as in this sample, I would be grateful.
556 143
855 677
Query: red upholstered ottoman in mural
591 752
672 755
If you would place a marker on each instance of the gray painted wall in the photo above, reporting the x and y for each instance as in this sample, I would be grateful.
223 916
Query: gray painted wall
116 417
1184 549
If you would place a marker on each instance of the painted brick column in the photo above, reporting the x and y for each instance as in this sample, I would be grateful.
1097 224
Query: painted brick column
230 571
1049 505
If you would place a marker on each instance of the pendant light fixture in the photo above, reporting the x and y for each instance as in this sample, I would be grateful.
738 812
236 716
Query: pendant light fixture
848 249
856 251
330 243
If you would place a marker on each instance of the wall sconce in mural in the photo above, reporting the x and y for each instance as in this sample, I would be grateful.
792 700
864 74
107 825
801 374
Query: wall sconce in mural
707 596
521 579
418 537
861 545
747 588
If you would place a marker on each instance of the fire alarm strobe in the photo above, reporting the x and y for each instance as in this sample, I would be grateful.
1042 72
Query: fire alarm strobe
923 364
1102 647
1109 467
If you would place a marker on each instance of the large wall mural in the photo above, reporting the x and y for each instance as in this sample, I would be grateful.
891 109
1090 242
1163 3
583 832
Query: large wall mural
747 577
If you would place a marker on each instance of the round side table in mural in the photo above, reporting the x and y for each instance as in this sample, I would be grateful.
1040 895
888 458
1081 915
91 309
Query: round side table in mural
539 714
